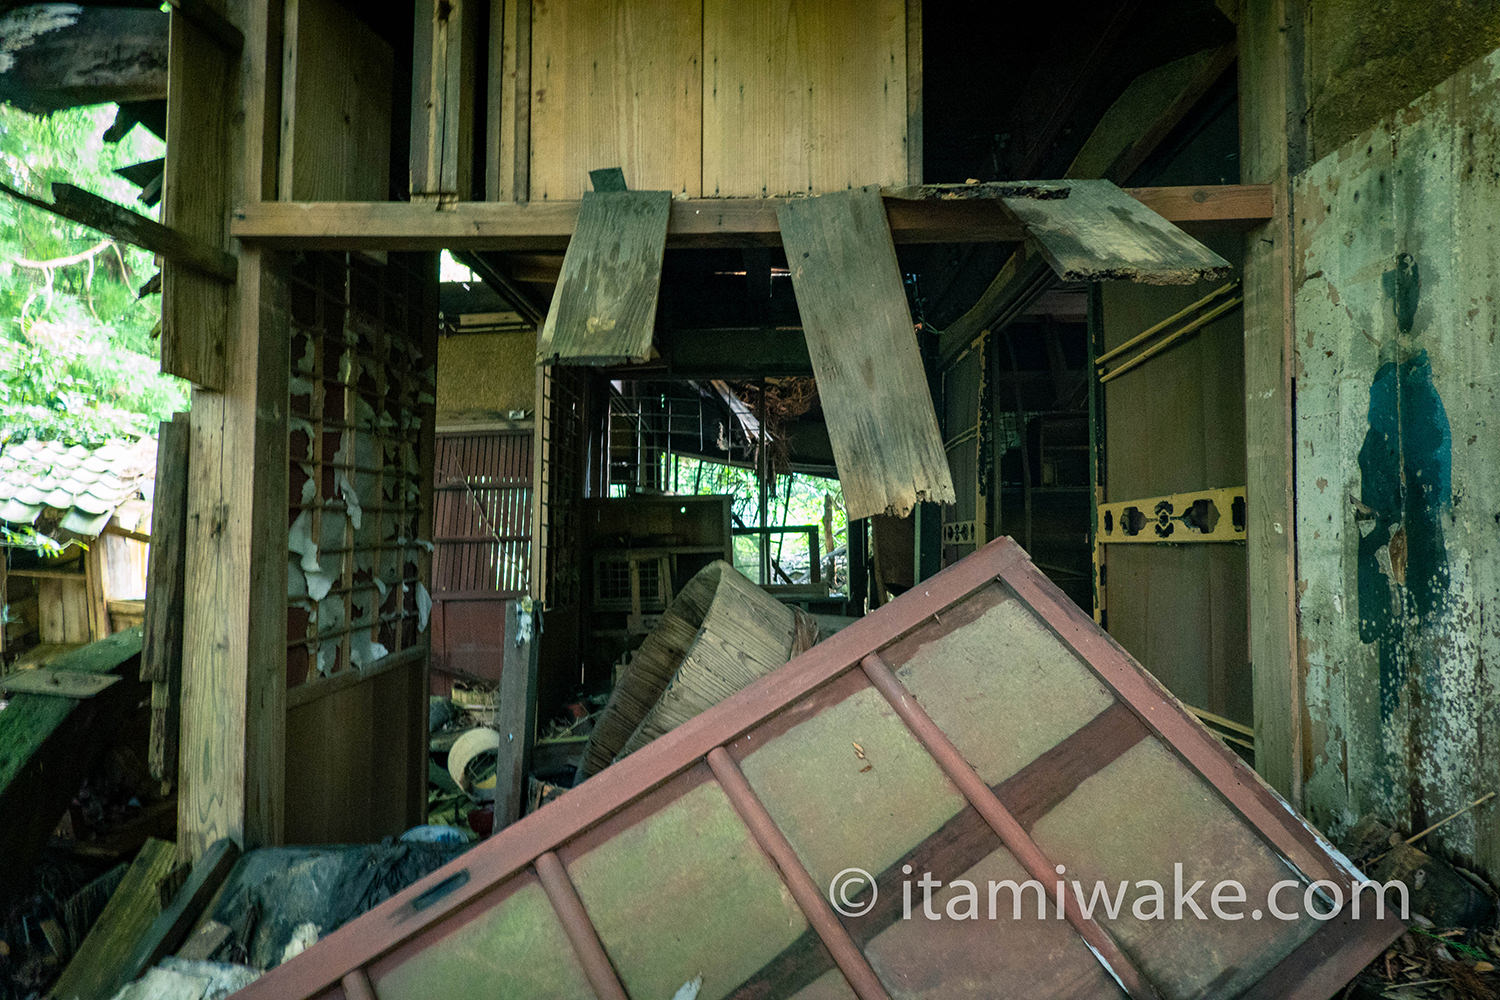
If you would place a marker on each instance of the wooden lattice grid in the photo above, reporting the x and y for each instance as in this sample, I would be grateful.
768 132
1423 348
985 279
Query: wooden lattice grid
361 389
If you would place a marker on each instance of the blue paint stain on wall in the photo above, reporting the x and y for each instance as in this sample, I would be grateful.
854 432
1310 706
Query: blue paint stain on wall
1406 487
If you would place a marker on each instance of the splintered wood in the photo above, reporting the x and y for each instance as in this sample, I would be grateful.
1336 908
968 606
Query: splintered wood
861 338
1100 233
604 309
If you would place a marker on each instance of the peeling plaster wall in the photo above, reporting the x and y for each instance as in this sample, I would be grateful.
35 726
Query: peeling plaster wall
1398 467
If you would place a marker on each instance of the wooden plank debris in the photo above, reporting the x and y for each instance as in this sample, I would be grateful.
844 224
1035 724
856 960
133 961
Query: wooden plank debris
48 743
103 962
1100 233
166 571
604 308
56 683
863 344
87 209
172 924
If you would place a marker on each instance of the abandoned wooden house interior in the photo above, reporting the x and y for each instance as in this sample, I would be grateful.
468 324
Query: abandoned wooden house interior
656 457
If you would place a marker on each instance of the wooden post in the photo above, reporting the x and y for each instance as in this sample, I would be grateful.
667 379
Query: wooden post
516 719
1270 114
234 611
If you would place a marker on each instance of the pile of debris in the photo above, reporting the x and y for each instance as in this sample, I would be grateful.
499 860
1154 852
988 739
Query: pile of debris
1452 950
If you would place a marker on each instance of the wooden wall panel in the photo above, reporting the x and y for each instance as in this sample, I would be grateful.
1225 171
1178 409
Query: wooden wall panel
349 760
1177 423
616 83
336 106
803 96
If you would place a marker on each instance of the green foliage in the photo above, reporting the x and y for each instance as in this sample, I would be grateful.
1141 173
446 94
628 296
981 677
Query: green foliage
78 360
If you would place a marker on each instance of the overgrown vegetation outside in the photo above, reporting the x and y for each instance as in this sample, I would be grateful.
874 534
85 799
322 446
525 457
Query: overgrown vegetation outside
78 352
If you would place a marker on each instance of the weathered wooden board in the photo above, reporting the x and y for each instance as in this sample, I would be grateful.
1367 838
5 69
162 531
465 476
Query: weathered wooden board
172 924
336 106
1100 233
195 201
445 88
161 656
863 344
57 683
804 96
1270 59
104 962
604 309
616 82
1397 487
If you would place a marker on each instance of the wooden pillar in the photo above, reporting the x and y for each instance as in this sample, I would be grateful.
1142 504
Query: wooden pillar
1271 102
234 617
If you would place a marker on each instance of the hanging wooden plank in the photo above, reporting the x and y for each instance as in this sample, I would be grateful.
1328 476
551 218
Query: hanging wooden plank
1100 233
604 309
861 337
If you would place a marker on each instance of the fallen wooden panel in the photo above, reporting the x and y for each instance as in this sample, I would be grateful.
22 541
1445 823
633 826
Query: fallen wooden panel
863 344
604 309
978 727
1100 233
104 962
48 743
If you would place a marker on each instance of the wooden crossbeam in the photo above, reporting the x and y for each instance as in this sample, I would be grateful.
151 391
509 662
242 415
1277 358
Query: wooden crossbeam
940 217
86 209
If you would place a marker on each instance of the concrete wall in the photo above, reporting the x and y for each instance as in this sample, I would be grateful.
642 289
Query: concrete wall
485 374
1397 438
1367 57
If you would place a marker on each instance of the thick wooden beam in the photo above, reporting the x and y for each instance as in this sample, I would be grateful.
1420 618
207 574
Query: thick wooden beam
232 745
703 222
1270 99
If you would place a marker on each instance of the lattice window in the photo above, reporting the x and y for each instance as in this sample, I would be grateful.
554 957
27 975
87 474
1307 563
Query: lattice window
361 398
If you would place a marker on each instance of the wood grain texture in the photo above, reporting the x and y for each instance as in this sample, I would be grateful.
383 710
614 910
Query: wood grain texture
864 353
1100 233
695 222
234 610
445 85
196 195
161 656
103 963
1267 102
804 96
616 83
516 720
604 308
335 106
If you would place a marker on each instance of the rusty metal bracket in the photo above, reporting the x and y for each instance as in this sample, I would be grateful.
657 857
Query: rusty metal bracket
1214 515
